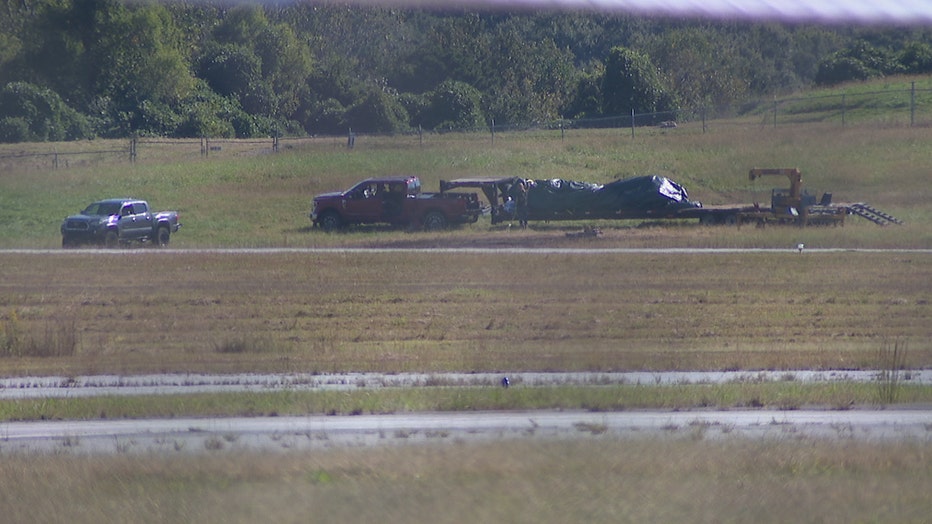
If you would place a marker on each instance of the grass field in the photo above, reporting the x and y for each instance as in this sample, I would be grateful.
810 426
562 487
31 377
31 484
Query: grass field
258 198
139 310
590 479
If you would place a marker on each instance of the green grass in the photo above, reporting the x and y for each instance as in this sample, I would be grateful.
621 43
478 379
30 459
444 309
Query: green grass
142 312
786 395
591 478
245 195
879 102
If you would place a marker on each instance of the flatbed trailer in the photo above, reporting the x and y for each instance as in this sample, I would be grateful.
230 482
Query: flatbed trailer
787 206
496 191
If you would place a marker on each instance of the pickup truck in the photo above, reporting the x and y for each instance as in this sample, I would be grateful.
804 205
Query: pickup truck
395 200
117 221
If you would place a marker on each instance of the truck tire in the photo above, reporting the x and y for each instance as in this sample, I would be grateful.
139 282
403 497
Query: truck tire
68 242
330 221
111 239
162 236
434 221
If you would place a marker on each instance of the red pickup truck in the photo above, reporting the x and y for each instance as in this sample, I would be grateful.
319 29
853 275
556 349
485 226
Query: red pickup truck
395 200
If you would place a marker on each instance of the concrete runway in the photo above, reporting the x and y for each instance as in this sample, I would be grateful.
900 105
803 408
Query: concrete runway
276 434
269 434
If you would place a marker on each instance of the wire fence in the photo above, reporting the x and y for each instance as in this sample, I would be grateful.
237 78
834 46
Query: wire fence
910 107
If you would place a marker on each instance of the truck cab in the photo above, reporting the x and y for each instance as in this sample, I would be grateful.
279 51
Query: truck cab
394 200
379 199
117 221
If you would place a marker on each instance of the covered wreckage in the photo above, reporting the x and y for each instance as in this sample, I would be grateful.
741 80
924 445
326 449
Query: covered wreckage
640 197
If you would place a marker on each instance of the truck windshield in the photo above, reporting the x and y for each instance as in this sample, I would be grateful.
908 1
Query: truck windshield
102 209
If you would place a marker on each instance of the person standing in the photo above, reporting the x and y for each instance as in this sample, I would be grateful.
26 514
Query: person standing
521 202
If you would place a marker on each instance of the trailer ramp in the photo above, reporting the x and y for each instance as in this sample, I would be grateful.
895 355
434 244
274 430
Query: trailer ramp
873 214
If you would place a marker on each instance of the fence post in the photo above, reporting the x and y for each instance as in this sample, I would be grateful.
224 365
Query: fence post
632 122
912 104
775 113
132 150
844 108
351 139
492 127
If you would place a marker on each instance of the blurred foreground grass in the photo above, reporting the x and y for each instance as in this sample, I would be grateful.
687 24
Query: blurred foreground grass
683 476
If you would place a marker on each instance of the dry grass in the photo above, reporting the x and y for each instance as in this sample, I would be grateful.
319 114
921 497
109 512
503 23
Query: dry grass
591 479
143 311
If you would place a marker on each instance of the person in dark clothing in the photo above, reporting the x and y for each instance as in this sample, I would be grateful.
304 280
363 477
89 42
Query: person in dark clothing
392 201
521 197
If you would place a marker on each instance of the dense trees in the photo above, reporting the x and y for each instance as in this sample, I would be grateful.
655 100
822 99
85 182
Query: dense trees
73 69
631 83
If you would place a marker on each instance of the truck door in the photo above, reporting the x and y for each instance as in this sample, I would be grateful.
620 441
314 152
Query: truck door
143 219
363 203
132 223
393 203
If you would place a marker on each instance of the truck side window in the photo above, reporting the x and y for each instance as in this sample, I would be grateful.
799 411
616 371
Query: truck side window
127 210
139 208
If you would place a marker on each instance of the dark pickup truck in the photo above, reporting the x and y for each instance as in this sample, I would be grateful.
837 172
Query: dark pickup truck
118 221
395 200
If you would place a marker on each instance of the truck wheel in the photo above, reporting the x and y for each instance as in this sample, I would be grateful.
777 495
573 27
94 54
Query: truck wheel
330 221
435 221
162 237
111 240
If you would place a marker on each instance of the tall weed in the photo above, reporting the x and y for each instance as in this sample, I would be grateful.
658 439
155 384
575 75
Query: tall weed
891 360
58 338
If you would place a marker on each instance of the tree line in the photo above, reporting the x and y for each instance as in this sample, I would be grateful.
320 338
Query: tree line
78 69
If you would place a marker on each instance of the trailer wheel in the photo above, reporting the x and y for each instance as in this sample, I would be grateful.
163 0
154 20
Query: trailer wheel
435 221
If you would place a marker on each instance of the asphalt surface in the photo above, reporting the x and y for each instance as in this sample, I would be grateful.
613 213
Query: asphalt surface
477 250
271 434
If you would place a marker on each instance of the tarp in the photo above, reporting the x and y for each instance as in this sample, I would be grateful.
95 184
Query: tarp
635 197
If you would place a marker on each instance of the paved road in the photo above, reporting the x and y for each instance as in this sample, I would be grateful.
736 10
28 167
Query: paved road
315 432
477 250
185 435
